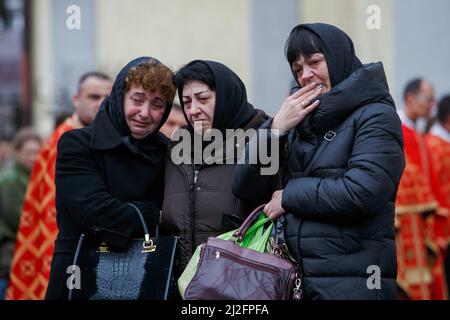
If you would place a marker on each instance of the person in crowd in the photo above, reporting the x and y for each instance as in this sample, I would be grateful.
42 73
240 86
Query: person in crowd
344 157
198 199
5 152
13 185
420 272
118 159
37 232
437 143
175 121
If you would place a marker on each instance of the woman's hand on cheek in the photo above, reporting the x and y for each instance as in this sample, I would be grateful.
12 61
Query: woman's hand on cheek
295 108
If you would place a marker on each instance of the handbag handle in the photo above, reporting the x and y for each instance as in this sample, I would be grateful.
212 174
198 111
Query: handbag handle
148 243
147 240
240 233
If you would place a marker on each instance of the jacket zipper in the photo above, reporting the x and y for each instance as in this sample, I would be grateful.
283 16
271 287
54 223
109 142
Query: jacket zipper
194 189
252 264
239 259
196 172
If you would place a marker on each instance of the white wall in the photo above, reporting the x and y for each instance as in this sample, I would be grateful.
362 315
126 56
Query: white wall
42 67
423 44
175 32
246 35
351 16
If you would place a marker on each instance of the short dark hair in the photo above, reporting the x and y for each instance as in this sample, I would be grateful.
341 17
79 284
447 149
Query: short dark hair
301 42
95 74
444 109
195 70
412 87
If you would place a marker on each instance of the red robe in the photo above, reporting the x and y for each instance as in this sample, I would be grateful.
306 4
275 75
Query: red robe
30 270
439 224
420 273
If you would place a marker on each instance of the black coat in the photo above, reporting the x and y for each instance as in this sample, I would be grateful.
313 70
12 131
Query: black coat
96 175
340 218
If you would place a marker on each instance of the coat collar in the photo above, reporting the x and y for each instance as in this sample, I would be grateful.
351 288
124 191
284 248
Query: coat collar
105 135
405 120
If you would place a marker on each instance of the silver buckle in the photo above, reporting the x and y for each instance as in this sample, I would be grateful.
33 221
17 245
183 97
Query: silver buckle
329 135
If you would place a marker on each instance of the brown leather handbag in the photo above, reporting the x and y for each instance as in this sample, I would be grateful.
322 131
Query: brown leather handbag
227 271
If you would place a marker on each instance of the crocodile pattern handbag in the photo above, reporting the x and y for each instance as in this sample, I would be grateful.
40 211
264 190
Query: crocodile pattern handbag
143 271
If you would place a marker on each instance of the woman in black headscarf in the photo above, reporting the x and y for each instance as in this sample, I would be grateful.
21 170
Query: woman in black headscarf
198 200
119 159
344 162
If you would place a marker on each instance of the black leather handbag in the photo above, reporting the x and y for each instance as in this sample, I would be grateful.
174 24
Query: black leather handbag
143 272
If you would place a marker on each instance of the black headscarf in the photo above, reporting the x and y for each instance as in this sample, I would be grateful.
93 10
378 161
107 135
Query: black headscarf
232 110
338 50
341 61
114 106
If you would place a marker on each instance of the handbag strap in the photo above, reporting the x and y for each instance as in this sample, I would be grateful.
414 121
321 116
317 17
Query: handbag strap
141 217
240 233
75 261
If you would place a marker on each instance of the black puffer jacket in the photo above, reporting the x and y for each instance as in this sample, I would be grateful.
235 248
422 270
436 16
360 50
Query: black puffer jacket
340 218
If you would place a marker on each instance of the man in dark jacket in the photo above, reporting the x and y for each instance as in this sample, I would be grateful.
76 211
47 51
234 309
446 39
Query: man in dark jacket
344 162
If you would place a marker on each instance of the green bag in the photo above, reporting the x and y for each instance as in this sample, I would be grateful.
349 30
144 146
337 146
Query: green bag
256 239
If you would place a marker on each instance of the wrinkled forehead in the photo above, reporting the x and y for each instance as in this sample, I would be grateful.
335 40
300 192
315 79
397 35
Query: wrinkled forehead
194 87
141 93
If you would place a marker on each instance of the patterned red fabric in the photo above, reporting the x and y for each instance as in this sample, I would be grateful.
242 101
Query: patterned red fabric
420 265
439 224
414 192
30 270
439 158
